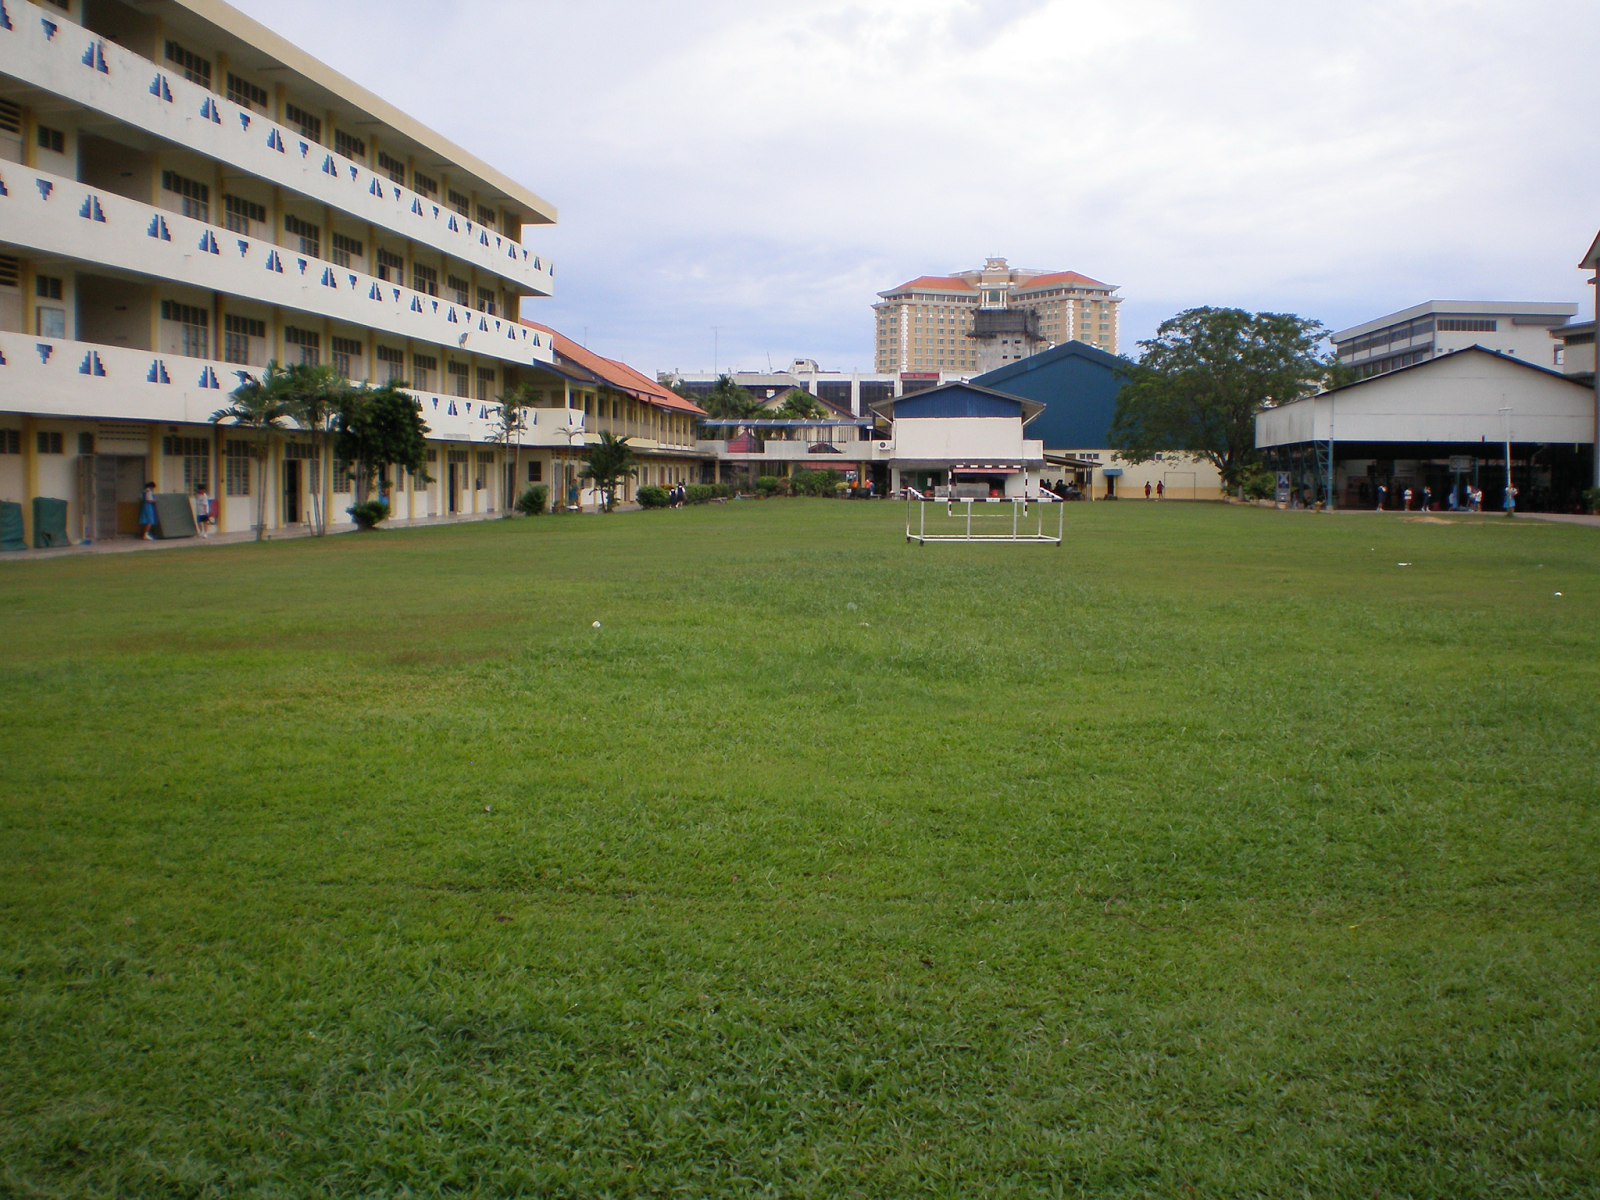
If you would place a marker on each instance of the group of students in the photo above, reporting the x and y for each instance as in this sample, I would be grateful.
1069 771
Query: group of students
1160 489
203 512
1472 501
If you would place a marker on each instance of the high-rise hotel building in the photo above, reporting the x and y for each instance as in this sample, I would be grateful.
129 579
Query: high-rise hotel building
183 196
980 320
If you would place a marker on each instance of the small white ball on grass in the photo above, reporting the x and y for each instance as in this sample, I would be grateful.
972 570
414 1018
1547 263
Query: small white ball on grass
596 625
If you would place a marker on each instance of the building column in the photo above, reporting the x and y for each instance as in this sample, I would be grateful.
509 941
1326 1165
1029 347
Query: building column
153 463
218 466
30 476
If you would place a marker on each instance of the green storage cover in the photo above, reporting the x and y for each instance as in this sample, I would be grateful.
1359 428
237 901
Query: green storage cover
49 523
11 526
174 516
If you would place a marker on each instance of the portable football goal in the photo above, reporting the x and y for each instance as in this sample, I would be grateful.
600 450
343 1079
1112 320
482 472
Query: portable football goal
983 518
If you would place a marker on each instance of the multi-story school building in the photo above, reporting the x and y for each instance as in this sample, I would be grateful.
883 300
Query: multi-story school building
185 196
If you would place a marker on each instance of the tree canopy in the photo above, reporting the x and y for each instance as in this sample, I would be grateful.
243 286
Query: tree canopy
379 427
607 462
728 400
261 405
801 405
1201 380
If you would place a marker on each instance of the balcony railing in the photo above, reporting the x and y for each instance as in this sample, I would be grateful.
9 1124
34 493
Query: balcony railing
70 61
59 216
52 377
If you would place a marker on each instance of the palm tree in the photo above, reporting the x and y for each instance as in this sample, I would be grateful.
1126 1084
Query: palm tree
261 405
511 421
315 396
606 462
800 405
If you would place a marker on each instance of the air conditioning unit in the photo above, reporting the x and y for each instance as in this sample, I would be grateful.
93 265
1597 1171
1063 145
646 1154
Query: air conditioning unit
883 445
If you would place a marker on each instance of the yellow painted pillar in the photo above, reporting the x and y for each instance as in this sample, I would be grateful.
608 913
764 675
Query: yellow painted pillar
30 476
153 463
219 464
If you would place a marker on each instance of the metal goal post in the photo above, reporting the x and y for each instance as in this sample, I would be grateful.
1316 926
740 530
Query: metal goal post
983 519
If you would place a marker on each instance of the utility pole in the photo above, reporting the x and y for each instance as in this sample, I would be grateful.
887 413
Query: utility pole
1510 501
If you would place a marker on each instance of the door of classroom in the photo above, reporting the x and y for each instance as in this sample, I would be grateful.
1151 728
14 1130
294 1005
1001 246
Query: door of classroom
291 491
454 485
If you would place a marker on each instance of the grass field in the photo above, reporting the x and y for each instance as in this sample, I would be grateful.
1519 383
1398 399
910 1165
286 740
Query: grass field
1210 854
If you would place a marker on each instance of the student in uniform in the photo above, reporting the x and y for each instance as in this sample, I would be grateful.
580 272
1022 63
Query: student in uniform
147 512
202 510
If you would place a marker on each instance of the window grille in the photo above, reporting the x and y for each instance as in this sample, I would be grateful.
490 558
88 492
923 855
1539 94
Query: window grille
459 289
52 139
348 144
193 322
393 167
458 379
177 447
236 335
47 287
345 249
10 117
310 235
1466 325
50 443
391 266
194 197
394 363
345 352
237 213
486 300
308 125
536 472
425 184
422 368
344 477
485 458
309 341
487 216
459 202
457 456
304 451
424 279
195 69
246 94
10 441
485 382
86 443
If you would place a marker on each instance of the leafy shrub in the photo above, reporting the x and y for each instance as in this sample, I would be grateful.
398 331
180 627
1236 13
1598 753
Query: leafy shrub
1591 499
368 513
653 497
531 502
767 485
815 483
699 493
1259 485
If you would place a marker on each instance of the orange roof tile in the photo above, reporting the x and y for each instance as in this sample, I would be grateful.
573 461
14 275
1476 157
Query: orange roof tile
1061 279
617 374
933 283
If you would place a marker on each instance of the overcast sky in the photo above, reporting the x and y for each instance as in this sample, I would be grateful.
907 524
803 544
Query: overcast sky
766 167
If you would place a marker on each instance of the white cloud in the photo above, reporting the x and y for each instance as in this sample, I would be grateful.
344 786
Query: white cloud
768 168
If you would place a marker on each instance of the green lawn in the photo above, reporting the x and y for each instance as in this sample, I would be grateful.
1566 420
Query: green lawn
1210 854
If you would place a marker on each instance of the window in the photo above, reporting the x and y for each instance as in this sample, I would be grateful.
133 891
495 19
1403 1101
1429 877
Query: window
236 467
236 335
488 216
10 116
304 451
237 213
425 184
50 443
1467 325
348 144
392 167
46 287
196 455
195 69
246 94
86 443
485 382
194 197
486 300
308 125
394 363
310 235
459 374
52 139
346 351
51 322
344 477
460 289
10 441
536 472
459 202
422 368
391 266
309 341
424 279
345 249
192 322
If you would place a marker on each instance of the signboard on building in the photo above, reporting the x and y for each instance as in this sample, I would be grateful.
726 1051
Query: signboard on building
1461 464
1283 487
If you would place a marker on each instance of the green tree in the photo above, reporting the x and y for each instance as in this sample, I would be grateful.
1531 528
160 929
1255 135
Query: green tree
378 427
608 462
728 400
315 396
260 405
800 405
515 405
1201 380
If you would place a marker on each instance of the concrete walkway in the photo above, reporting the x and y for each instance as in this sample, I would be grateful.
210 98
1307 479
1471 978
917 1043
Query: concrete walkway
1564 518
126 545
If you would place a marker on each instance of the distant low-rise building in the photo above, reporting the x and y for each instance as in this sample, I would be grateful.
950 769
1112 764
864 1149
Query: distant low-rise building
1424 331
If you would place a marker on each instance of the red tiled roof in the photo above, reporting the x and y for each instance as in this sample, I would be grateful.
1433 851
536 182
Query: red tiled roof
933 283
1061 279
617 374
